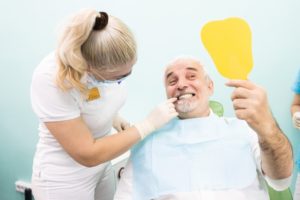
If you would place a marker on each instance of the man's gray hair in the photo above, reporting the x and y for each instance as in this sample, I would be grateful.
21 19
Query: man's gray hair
188 57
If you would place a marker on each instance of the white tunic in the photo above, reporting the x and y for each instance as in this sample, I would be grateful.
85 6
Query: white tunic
51 161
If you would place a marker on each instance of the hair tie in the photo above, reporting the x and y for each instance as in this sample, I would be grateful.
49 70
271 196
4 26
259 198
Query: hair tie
101 22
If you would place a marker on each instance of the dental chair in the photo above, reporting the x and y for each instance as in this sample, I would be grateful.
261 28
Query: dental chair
283 195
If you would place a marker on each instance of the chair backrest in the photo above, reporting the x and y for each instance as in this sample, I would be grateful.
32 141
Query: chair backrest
216 107
280 195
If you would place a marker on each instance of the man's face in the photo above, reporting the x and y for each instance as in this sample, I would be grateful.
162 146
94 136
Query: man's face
186 80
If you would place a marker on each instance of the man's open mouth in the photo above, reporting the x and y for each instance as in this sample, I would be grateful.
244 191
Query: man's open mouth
185 96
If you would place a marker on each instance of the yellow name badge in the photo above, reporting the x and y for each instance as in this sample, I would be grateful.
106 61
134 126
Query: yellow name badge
93 94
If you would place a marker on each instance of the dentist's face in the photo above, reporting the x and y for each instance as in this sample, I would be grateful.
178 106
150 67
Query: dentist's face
112 74
185 79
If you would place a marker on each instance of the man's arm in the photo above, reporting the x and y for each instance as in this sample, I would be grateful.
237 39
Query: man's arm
276 152
251 104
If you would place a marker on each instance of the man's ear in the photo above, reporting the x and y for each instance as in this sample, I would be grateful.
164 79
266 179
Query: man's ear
210 87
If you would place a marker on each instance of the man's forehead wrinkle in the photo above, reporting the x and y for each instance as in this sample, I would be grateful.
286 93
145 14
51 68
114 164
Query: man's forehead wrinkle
169 70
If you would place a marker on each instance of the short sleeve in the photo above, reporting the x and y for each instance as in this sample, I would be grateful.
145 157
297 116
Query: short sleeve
48 101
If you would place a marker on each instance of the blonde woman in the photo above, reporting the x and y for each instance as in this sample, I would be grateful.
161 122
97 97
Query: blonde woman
76 93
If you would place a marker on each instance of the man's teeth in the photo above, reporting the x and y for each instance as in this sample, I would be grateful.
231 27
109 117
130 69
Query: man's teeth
185 96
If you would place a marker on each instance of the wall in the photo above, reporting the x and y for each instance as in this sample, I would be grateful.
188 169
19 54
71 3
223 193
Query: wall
164 29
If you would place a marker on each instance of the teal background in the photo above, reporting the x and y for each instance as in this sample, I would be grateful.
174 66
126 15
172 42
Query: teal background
164 30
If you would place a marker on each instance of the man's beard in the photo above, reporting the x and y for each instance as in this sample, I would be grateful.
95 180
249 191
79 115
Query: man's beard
185 106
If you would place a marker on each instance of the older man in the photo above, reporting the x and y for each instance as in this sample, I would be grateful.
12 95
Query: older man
205 157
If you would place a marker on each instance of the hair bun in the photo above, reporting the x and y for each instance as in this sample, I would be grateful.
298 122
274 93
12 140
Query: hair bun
101 22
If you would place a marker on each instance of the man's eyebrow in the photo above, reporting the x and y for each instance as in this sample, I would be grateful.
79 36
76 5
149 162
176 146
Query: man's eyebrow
192 68
188 68
169 74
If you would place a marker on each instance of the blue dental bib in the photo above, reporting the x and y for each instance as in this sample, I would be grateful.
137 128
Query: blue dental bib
191 155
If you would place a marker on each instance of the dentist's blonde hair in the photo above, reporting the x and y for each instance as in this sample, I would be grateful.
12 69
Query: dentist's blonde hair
81 45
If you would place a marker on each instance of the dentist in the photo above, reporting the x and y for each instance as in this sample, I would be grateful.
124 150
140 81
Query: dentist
76 93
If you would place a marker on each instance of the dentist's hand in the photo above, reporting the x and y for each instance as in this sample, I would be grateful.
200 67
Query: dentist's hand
158 117
296 119
120 124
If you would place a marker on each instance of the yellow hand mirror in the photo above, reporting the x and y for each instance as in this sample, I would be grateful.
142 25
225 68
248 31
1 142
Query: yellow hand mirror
229 44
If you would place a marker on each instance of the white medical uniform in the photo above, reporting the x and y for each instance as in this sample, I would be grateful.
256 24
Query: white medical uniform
56 176
255 190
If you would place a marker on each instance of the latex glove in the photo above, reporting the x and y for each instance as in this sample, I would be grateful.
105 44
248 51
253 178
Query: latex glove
158 117
120 124
296 119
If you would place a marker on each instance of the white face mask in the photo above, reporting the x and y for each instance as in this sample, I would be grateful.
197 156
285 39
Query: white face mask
109 89
117 81
112 96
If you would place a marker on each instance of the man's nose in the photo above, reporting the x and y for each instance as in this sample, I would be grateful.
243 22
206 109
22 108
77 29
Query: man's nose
182 84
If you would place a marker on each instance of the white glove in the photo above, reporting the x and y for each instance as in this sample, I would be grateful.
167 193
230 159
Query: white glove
159 116
296 119
120 124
